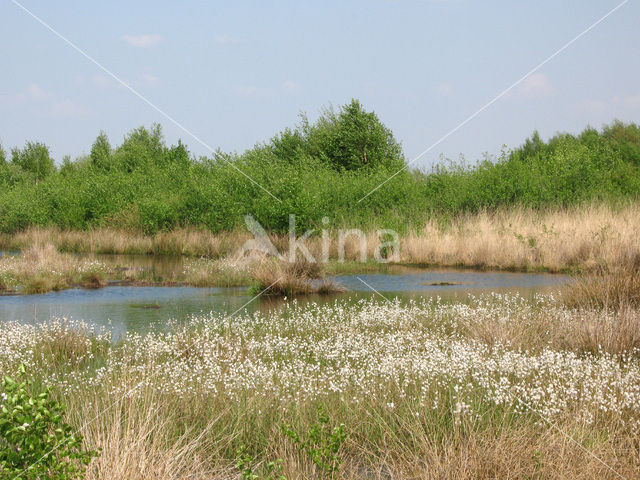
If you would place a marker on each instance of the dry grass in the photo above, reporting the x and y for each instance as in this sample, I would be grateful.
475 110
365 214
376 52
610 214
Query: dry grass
615 286
577 238
533 328
580 238
301 277
139 442
41 268
194 243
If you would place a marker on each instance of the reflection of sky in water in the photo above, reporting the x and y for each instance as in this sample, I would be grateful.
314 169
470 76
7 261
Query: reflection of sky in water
139 308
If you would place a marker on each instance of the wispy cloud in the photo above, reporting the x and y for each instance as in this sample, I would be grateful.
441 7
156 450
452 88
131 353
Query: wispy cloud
254 91
147 79
143 41
629 102
290 86
44 103
249 90
536 85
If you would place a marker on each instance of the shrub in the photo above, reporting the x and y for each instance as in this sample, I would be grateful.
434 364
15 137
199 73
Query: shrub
35 442
101 152
34 158
322 443
343 166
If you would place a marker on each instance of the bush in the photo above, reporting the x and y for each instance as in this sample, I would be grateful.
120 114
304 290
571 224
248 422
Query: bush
330 168
34 158
35 443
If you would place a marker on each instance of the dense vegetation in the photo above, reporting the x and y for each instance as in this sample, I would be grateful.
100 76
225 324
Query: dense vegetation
314 170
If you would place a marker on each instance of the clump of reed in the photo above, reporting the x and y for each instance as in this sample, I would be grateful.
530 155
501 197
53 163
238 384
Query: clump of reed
289 278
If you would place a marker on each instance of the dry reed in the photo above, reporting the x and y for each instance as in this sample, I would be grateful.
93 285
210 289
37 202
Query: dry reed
578 238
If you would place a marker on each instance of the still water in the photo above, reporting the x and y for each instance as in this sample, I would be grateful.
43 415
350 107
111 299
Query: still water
123 309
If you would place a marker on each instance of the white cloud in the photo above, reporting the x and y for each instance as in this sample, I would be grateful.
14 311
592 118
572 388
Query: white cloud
632 101
143 41
246 91
102 81
536 85
147 79
35 92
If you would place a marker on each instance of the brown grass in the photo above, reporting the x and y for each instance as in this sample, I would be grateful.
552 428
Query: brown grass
153 438
609 287
577 238
286 278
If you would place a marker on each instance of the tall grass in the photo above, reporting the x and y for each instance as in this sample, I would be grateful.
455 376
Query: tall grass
611 287
580 238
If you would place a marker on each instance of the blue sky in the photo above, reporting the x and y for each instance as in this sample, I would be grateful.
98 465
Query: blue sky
235 73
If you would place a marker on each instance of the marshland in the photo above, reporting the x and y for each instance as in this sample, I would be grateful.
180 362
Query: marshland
496 334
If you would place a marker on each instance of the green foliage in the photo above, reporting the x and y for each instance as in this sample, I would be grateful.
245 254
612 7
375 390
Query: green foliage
322 443
332 167
350 139
34 158
35 443
141 149
101 152
246 463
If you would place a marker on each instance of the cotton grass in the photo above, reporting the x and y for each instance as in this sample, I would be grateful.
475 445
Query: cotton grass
418 385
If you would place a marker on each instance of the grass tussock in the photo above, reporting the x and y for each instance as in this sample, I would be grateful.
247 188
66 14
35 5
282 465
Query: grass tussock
277 277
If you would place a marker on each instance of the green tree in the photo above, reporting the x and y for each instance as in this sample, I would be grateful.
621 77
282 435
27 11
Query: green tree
352 139
35 159
142 148
101 152
348 139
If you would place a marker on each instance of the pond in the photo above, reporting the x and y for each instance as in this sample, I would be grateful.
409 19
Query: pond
123 309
